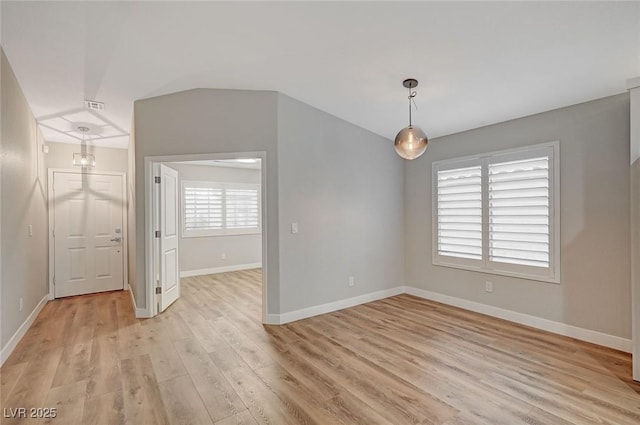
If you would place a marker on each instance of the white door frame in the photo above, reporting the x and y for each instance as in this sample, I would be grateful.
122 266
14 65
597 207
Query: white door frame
151 164
51 199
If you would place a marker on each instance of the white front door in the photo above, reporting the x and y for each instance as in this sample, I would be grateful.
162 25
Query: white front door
88 233
169 225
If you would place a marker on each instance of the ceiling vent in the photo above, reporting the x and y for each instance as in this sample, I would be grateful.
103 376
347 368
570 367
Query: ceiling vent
92 104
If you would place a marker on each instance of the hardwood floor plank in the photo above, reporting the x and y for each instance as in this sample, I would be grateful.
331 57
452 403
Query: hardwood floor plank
106 375
105 409
249 352
184 406
68 401
243 418
287 387
166 361
353 410
32 387
9 377
219 398
202 329
265 406
142 401
305 372
75 363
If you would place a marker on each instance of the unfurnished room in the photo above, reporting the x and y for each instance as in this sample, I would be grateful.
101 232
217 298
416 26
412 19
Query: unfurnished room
320 212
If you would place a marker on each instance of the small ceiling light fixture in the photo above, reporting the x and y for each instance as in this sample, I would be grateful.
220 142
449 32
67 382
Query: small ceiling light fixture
411 142
84 159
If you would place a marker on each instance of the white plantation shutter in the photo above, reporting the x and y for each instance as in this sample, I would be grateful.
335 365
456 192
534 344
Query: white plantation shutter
459 212
203 208
212 209
242 209
498 213
519 219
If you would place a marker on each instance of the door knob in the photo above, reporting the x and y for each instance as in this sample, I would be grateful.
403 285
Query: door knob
116 239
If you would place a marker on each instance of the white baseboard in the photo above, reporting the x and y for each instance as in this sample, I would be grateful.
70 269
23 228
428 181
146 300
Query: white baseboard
214 270
292 316
582 334
141 313
22 330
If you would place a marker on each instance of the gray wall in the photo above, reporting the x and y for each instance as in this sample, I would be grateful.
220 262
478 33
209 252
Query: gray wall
24 202
206 252
107 159
205 121
594 292
343 186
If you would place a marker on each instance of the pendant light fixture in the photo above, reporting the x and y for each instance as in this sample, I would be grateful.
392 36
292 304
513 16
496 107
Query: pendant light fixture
411 142
84 159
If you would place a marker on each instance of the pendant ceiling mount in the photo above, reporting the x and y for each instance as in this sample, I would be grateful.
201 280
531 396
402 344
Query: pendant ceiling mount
410 83
411 142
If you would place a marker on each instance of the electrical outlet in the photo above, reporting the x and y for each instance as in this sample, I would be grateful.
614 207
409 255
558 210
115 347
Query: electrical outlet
352 280
488 286
21 304
294 228
223 256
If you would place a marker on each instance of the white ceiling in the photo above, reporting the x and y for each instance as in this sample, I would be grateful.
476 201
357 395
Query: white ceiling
477 62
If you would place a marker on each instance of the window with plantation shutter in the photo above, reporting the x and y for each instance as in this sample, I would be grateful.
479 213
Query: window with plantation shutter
519 212
242 209
202 208
213 209
497 213
460 212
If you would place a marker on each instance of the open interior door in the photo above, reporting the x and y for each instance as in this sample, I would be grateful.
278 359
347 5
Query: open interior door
169 267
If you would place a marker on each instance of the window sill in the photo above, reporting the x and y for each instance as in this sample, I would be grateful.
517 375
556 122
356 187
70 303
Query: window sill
547 279
218 234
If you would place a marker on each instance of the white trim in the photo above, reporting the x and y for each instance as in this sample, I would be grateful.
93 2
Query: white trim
151 170
51 211
223 269
559 328
141 313
22 330
292 316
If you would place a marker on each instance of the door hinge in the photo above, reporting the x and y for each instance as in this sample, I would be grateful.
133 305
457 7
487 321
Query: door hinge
54 280
158 290
156 179
157 233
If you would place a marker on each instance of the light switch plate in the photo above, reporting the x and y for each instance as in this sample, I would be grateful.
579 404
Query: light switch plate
294 228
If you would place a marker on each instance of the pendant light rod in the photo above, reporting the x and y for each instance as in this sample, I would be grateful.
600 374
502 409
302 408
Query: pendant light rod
410 108
410 83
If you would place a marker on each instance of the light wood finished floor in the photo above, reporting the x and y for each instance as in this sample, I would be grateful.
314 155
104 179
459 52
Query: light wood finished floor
402 360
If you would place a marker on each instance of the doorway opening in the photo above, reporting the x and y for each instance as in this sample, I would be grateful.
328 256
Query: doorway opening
205 215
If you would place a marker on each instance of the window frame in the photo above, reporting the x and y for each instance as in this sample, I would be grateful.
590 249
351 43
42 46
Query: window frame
191 233
485 265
